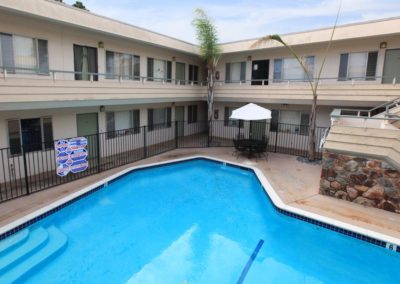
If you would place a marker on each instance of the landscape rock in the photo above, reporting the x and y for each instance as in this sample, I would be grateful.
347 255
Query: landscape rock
351 166
387 205
352 192
342 195
358 178
336 185
376 192
361 180
364 201
361 188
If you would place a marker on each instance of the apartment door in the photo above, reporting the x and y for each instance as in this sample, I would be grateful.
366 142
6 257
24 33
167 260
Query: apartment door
259 72
87 126
85 62
391 68
180 73
180 118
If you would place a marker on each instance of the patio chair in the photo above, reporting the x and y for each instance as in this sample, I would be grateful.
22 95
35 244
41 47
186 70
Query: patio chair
238 148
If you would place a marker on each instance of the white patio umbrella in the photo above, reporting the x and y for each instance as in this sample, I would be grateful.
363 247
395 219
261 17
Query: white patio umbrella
251 112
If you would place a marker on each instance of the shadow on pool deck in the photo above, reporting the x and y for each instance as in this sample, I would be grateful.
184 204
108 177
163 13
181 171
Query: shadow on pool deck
295 182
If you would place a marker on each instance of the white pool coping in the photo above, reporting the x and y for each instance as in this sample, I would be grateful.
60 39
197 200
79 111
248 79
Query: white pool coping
276 200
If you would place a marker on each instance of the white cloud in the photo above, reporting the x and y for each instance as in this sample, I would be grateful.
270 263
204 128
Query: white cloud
241 19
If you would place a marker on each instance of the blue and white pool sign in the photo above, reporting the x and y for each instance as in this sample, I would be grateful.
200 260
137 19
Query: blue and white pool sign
71 156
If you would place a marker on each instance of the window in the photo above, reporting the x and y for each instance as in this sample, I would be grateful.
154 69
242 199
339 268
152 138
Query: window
23 54
159 118
159 70
121 64
192 114
229 121
358 65
194 74
121 123
287 69
33 134
85 62
291 121
180 73
235 72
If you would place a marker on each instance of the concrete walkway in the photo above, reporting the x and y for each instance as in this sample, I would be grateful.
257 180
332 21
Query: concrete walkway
296 183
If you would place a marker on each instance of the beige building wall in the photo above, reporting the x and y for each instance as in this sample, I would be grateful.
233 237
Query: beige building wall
323 112
64 119
331 68
61 39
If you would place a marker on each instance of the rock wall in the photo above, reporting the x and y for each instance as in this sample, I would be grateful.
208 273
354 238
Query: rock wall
360 180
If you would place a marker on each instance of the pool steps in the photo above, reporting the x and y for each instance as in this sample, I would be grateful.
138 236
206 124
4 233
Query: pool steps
13 241
29 250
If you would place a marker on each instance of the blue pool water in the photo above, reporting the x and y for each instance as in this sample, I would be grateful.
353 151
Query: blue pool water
192 222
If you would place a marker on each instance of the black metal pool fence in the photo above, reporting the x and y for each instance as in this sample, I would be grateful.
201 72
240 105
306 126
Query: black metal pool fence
25 169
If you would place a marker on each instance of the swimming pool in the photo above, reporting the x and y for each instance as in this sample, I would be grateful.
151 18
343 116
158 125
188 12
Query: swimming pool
196 221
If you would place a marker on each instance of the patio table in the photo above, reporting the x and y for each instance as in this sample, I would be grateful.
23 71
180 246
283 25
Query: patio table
250 146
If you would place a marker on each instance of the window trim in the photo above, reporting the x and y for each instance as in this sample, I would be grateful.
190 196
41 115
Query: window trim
37 71
304 78
166 124
76 75
231 122
114 76
42 142
228 69
167 71
365 78
111 134
194 67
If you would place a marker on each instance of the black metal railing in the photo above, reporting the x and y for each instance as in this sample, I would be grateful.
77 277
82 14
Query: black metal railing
26 171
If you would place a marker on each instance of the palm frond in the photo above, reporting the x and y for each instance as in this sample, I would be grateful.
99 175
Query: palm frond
207 36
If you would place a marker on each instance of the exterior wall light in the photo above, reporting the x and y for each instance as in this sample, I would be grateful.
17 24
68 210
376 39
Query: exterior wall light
216 114
102 108
100 44
249 58
217 75
383 44
173 58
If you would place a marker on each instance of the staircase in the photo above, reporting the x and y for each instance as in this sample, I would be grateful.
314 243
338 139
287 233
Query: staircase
374 133
26 250
361 159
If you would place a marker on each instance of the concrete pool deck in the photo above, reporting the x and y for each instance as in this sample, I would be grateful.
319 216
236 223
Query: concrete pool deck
295 182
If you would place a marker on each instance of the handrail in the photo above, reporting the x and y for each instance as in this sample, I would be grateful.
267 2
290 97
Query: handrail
369 112
93 76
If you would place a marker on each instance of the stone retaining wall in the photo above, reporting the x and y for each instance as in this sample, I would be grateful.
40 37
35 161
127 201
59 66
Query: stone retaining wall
365 181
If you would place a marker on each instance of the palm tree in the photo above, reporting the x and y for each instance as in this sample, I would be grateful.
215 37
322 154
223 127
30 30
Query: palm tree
209 51
314 82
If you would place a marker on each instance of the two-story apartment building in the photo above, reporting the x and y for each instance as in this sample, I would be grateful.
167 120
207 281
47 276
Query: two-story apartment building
66 72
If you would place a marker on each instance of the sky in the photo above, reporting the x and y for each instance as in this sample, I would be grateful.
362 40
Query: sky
238 20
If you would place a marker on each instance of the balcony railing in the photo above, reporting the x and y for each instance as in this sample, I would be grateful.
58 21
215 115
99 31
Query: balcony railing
63 75
366 80
373 113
